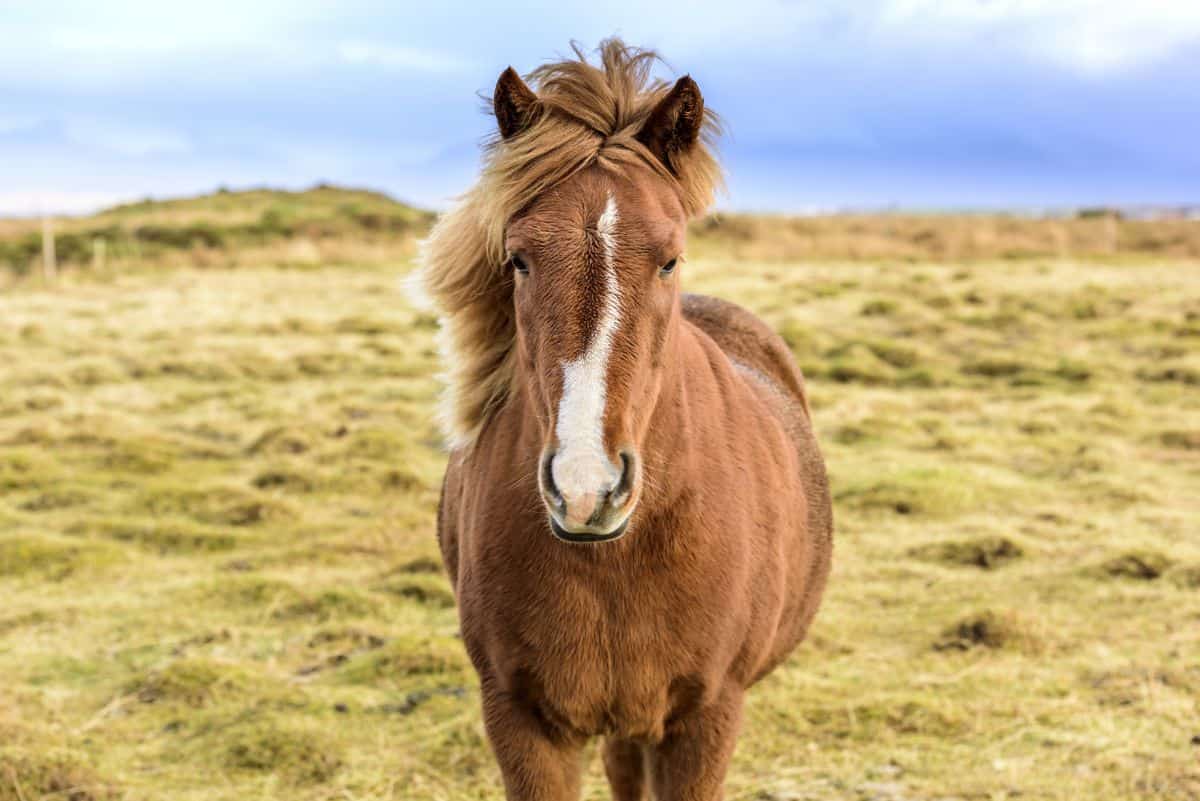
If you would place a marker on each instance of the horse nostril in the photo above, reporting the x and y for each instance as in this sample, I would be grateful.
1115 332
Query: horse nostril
549 488
620 492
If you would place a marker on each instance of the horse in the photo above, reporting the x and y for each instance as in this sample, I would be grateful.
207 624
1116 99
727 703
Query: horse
635 515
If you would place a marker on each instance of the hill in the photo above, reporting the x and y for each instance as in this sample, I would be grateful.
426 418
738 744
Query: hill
334 225
318 225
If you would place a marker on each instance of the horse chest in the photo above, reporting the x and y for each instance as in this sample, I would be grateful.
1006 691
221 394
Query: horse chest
598 661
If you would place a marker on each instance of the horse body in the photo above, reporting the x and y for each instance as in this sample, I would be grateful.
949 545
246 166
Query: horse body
714 587
637 527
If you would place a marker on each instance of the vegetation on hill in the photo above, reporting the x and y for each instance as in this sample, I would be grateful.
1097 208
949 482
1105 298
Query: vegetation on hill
229 228
327 225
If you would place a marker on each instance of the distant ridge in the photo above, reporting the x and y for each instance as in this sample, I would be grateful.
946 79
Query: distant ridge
224 226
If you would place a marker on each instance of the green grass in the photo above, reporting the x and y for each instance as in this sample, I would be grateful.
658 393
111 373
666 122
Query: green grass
220 580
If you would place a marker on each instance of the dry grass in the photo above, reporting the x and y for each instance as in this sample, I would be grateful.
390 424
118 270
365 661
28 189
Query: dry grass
220 579
909 237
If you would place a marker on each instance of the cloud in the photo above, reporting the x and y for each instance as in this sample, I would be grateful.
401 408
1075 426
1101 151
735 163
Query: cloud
125 139
1091 37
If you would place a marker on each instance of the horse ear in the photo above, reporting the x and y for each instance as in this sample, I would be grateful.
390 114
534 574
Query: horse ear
514 104
674 125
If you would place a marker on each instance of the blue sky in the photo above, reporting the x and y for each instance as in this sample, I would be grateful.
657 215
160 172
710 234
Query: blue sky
912 103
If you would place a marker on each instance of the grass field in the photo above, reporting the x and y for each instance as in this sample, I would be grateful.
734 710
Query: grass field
218 574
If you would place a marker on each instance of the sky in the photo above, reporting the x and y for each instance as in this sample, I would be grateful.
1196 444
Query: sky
967 104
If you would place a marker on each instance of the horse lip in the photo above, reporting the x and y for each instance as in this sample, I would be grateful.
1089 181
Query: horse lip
587 537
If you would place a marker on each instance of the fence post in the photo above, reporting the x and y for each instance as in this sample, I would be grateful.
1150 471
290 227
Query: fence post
49 261
99 245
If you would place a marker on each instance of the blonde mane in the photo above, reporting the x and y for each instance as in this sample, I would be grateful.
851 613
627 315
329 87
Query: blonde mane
586 115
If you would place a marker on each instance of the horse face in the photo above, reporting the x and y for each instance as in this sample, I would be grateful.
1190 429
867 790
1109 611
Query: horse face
595 265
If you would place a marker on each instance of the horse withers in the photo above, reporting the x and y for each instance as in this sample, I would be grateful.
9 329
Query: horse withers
635 516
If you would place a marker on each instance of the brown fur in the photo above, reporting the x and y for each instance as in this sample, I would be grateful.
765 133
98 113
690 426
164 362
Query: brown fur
649 640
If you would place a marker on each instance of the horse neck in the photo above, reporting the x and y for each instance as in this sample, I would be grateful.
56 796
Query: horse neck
673 429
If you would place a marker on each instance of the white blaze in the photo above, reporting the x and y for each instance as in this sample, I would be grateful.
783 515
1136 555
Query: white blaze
582 465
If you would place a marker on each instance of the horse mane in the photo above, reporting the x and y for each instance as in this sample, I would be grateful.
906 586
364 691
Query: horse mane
585 115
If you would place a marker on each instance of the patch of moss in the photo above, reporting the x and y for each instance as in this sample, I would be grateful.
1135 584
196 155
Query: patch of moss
29 775
325 363
378 444
1139 565
1186 576
1179 373
204 370
364 325
424 588
987 629
53 499
915 491
421 564
49 558
164 535
985 552
440 660
217 505
284 479
282 440
329 605
192 682
93 372
868 721
856 364
26 469
994 368
879 307
141 455
252 592
297 755
894 353
1182 440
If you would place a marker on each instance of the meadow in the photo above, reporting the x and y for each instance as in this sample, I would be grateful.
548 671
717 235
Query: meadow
219 469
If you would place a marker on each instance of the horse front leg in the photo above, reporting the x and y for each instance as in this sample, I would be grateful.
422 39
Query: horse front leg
690 762
538 763
625 765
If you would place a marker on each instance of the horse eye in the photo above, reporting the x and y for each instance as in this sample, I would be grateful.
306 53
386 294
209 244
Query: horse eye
668 268
518 264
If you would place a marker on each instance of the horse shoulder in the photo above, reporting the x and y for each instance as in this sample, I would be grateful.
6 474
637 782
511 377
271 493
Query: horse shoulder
747 341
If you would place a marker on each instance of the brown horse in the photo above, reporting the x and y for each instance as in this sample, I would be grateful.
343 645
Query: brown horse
635 515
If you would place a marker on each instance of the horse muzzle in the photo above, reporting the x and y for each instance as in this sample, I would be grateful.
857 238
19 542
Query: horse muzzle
595 503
